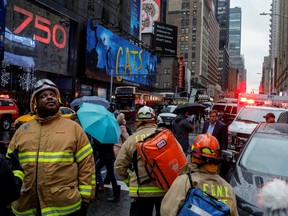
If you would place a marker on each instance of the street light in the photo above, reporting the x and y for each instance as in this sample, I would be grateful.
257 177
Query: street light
272 14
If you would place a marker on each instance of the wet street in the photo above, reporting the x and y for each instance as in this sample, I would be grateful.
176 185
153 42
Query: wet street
99 206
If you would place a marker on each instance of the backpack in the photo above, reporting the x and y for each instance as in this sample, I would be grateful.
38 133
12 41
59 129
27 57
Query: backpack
197 202
163 157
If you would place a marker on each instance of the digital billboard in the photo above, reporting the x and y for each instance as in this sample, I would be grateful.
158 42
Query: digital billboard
107 52
135 18
34 38
2 26
150 13
165 39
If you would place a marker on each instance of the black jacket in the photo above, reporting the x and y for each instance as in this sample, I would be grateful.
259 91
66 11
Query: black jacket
220 132
181 128
10 185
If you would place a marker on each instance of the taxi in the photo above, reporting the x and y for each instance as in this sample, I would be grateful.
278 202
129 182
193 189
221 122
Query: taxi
65 112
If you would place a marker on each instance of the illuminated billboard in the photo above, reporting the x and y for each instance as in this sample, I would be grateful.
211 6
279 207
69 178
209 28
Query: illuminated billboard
135 18
34 38
165 37
107 52
150 13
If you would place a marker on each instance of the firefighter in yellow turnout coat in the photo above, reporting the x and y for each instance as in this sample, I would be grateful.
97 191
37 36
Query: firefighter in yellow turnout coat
204 176
148 195
57 159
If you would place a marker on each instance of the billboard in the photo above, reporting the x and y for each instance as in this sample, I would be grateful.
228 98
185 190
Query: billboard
2 27
165 39
107 52
135 18
150 12
180 71
34 38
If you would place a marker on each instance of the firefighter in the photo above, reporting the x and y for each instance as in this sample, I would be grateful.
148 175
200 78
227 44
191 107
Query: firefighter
56 157
145 196
206 156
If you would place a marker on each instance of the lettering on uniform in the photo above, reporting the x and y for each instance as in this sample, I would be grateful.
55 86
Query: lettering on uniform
216 191
141 137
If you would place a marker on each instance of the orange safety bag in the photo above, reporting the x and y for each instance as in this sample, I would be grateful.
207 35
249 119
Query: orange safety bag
163 157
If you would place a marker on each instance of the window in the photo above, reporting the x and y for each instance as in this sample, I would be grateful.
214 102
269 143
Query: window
182 38
182 22
194 22
185 63
165 71
182 30
194 30
185 55
186 46
187 22
186 38
168 70
193 55
187 30
164 85
193 38
182 47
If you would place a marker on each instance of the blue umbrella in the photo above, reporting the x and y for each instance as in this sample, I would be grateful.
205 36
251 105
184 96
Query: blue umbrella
99 123
90 99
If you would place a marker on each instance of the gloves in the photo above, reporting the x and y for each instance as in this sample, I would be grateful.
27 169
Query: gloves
13 160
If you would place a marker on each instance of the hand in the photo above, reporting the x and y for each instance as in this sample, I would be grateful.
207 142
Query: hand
13 160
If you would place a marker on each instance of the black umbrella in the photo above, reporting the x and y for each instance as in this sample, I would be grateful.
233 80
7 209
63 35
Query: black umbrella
191 108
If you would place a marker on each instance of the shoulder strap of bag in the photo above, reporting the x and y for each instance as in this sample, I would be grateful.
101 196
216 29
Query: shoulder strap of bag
190 179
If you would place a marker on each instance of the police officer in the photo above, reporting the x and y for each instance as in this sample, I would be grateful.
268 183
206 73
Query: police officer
145 196
206 155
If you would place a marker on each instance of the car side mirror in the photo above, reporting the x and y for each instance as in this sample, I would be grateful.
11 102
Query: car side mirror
229 155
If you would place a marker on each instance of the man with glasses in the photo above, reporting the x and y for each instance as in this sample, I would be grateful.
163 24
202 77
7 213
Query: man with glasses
56 157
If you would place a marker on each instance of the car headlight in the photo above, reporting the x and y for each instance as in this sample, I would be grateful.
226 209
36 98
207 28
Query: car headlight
159 120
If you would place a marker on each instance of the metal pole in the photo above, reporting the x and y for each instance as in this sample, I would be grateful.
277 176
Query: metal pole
111 83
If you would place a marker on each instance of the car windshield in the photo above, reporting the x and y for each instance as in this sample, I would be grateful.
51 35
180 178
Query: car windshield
252 115
267 153
168 109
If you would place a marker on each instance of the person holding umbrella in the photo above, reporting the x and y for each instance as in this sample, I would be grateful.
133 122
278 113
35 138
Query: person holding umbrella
56 157
181 127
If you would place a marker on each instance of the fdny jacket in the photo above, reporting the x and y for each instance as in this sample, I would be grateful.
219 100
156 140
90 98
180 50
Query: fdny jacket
125 159
58 163
210 183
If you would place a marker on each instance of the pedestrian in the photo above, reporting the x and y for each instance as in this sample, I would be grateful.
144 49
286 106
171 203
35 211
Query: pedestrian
56 157
181 127
147 195
270 118
124 133
206 156
216 128
273 198
11 178
106 158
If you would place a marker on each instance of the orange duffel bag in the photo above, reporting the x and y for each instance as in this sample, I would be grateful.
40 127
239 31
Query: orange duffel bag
163 157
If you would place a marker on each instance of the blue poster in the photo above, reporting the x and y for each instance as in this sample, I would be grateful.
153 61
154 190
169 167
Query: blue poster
109 53
135 18
2 26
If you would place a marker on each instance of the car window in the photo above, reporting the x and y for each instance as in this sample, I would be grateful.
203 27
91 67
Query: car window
267 153
234 110
228 109
219 108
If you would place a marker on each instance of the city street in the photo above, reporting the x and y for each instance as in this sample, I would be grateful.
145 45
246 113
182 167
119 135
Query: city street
99 206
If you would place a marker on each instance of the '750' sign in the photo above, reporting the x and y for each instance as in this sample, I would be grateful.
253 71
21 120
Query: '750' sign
44 25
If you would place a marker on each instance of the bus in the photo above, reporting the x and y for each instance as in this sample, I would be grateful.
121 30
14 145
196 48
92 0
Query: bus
129 99
246 99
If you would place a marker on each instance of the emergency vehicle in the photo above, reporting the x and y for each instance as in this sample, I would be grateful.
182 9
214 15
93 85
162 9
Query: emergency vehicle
8 112
248 99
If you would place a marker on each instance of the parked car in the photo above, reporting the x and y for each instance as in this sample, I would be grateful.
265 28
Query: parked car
165 118
8 112
245 122
263 158
227 111
65 112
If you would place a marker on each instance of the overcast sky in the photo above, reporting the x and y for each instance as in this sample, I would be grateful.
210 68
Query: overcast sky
254 37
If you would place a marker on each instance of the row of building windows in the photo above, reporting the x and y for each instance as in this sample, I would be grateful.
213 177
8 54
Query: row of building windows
186 21
186 30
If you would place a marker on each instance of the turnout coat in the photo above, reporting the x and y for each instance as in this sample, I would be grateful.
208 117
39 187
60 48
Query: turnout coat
209 182
125 159
58 163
